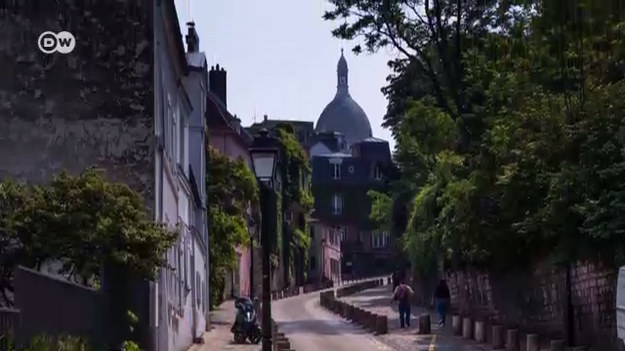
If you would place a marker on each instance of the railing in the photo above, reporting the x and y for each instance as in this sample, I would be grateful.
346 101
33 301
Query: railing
8 324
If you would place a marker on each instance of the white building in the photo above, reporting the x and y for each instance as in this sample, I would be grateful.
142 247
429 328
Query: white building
180 297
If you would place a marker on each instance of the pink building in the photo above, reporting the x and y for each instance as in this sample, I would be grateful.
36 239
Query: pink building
227 136
325 252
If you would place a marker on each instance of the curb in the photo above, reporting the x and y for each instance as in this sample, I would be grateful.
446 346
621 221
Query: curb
377 324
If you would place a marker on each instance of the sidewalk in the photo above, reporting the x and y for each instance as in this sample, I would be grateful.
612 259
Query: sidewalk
220 337
378 300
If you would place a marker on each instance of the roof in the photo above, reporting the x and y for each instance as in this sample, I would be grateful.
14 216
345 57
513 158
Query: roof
343 114
373 140
196 59
335 155
229 120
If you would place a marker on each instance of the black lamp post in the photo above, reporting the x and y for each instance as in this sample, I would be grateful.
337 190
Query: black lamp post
265 154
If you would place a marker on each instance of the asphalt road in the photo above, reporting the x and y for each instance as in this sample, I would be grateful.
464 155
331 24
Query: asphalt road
309 327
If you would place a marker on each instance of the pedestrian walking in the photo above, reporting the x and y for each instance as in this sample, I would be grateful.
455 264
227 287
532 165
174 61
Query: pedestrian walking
442 301
402 294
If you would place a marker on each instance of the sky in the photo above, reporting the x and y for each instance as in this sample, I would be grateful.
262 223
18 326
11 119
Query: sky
281 59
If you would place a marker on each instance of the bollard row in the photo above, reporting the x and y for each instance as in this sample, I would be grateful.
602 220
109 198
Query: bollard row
280 341
375 323
500 337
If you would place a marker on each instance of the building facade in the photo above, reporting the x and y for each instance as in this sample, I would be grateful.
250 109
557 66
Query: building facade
141 126
347 162
228 137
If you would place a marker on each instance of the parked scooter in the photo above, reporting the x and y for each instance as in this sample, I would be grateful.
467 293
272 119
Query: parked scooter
246 323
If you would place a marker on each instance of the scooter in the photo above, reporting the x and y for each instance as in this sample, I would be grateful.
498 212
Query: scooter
246 324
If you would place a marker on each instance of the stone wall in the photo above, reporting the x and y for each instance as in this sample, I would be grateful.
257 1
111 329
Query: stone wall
536 300
91 107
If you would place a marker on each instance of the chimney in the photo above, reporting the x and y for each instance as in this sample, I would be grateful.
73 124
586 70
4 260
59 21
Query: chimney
265 118
193 40
217 83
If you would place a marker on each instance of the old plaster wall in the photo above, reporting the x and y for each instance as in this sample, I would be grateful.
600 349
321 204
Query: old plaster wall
92 107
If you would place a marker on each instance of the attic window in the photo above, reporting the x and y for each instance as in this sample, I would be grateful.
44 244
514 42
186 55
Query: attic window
336 168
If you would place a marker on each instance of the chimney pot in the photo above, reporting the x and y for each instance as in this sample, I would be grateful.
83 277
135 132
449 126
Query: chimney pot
193 40
265 118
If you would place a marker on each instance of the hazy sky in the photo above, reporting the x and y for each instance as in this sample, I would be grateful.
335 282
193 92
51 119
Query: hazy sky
281 59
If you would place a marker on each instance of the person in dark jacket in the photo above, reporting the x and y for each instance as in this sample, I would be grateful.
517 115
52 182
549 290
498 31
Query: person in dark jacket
442 301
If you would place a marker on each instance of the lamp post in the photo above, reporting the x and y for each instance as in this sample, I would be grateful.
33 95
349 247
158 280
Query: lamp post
264 152
252 230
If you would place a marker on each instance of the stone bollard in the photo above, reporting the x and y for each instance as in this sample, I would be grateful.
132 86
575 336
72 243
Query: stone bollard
512 342
498 340
456 324
467 328
371 321
350 312
282 344
557 345
479 330
532 342
424 324
381 324
360 313
344 310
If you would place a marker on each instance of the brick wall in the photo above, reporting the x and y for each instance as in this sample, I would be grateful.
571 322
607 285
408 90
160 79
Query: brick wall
536 300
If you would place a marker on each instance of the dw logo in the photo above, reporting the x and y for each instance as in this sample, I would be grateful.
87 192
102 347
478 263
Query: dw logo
50 42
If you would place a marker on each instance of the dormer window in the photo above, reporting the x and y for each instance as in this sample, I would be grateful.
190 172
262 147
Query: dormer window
336 171
377 173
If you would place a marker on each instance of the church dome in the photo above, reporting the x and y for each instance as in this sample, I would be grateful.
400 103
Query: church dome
343 114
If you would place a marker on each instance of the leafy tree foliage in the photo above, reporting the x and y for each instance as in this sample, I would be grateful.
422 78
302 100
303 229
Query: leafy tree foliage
513 144
232 190
80 222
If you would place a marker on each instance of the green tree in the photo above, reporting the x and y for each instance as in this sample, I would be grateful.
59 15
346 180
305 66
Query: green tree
80 221
536 112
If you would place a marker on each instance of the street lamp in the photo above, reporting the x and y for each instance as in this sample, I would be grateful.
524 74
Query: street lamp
264 153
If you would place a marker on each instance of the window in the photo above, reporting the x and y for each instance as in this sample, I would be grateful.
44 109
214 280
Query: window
340 231
173 131
182 139
351 169
377 173
337 204
312 232
169 124
336 173
198 290
380 239
313 263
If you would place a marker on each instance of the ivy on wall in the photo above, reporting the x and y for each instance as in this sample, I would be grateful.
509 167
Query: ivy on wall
297 197
231 188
